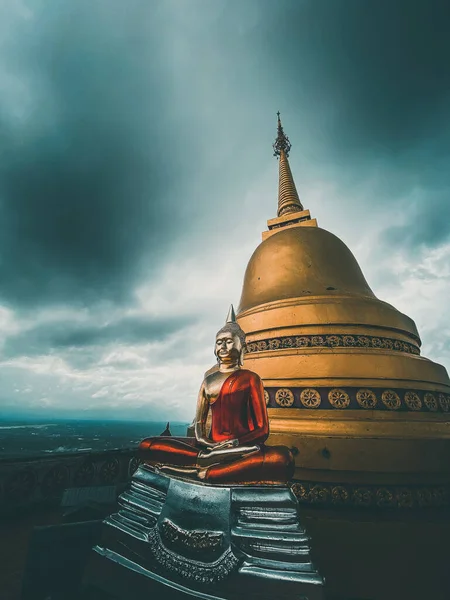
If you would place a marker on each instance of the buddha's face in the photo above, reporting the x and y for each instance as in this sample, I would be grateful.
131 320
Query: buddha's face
228 347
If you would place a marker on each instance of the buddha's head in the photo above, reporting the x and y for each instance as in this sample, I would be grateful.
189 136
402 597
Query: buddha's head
230 345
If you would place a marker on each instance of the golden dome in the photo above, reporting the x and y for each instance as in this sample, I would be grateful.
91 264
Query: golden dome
317 269
301 261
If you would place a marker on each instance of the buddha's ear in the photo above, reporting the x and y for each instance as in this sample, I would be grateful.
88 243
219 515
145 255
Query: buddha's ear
241 356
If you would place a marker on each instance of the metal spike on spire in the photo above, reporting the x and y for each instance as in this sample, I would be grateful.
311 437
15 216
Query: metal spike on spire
282 142
231 317
288 199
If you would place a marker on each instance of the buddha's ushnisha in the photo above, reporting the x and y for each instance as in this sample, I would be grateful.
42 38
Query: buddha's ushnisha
233 451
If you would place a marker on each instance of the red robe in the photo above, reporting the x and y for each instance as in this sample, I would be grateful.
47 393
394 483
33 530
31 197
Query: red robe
239 411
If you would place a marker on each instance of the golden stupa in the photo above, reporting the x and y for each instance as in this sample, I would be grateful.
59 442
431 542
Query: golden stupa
347 389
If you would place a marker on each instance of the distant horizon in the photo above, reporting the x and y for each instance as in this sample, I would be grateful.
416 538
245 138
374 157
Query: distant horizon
35 437
41 418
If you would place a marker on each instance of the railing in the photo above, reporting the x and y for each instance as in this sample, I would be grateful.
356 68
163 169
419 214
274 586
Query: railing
31 481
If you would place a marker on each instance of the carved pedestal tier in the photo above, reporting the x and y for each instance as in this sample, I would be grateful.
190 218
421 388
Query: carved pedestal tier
184 539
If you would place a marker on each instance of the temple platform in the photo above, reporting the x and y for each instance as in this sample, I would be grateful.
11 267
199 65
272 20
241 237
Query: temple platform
179 539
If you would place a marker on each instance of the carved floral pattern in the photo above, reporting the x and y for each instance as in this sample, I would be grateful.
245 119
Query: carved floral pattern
196 541
339 494
85 474
266 397
424 497
109 471
362 497
444 402
366 398
284 397
385 498
404 498
391 399
332 341
338 398
194 570
310 398
301 491
430 402
413 401
381 497
133 465
55 480
319 494
439 496
20 485
47 479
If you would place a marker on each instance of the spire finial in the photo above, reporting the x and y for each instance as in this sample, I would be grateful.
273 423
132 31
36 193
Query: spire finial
231 317
282 142
288 200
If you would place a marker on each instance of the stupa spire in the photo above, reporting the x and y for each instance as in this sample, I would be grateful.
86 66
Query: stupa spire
288 200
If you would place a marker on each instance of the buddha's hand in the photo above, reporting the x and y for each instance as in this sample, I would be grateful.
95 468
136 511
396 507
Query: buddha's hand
226 444
208 444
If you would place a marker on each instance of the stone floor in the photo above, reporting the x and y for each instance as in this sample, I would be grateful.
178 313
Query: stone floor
15 533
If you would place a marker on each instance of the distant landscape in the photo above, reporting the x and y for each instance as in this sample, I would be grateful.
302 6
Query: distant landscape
21 438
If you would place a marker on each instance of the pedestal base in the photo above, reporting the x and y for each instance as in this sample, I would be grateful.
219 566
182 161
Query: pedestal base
194 540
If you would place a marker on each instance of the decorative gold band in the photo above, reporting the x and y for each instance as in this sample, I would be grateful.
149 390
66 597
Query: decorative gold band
358 398
332 341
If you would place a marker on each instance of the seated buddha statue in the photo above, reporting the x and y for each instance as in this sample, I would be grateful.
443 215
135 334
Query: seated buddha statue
232 400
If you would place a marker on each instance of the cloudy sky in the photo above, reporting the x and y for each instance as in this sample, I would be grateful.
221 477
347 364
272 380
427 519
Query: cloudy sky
136 176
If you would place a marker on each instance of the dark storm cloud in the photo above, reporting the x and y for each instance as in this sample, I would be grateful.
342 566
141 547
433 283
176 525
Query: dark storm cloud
370 82
84 188
96 148
427 223
63 336
381 66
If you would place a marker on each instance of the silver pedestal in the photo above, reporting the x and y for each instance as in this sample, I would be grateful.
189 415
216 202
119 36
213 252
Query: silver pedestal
187 539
